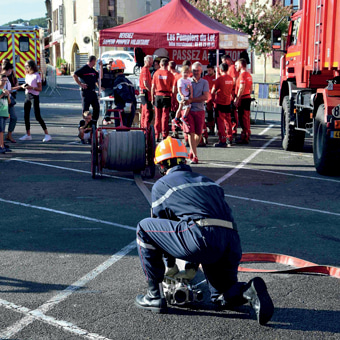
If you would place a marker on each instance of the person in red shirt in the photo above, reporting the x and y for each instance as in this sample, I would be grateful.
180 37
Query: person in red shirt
161 90
242 100
234 74
209 105
145 88
223 87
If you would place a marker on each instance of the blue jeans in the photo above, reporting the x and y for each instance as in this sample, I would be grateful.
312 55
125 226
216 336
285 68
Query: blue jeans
13 119
2 124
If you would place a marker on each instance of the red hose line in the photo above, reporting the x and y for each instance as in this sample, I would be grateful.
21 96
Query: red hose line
302 266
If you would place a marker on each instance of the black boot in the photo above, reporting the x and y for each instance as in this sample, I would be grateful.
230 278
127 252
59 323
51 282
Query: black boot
153 300
256 293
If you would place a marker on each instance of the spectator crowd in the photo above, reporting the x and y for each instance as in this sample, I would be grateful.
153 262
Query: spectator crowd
177 96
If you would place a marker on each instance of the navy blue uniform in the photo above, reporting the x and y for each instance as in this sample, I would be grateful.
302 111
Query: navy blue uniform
179 200
89 76
124 92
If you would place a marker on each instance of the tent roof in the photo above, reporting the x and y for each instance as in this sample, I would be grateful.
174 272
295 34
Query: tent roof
176 25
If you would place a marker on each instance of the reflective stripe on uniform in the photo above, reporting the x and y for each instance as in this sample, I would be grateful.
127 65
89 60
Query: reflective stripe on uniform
180 187
128 84
145 245
210 222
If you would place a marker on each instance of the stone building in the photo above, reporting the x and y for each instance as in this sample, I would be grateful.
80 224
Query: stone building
74 25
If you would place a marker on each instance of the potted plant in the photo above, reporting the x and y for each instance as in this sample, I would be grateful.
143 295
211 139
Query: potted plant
61 66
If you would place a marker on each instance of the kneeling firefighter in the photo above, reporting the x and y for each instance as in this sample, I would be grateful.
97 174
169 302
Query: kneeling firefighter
124 93
194 224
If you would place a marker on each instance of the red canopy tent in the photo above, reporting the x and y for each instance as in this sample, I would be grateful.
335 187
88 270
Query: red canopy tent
177 26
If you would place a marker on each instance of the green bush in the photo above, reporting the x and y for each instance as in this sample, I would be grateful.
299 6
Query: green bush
60 61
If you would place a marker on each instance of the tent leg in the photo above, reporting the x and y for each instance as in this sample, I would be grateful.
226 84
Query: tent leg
100 74
217 61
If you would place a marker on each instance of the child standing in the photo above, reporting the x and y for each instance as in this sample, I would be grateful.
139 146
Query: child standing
184 93
4 103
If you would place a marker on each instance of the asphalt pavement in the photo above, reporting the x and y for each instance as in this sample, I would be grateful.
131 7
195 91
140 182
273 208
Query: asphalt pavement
69 268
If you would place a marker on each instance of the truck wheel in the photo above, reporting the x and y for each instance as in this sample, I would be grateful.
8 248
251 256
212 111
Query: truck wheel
151 152
325 150
292 140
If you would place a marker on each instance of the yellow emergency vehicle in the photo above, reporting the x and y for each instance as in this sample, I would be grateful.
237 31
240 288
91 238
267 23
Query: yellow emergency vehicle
20 43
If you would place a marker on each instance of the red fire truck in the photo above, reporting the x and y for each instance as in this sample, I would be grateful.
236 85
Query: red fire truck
310 83
20 43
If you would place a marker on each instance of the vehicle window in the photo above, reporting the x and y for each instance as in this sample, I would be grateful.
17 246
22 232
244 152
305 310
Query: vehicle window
24 44
295 31
3 44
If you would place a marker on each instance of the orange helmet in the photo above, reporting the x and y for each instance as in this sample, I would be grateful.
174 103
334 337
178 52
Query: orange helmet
170 148
118 65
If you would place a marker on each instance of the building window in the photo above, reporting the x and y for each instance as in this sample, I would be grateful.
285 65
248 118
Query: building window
147 7
74 11
24 44
104 7
295 32
55 20
111 8
294 3
3 44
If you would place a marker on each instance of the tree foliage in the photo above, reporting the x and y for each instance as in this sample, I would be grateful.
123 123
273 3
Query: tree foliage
255 18
41 22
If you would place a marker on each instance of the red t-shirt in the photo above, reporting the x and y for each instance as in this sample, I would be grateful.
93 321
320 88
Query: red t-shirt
163 81
176 77
232 72
145 75
244 78
223 86
211 81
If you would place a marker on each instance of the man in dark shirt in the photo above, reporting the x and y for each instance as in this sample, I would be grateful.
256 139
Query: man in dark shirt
194 223
87 77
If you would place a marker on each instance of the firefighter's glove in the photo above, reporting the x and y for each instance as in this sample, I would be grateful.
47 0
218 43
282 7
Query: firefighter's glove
171 271
127 107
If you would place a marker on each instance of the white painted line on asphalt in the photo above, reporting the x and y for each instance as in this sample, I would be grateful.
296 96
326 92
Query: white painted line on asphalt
40 311
283 152
279 173
91 219
283 205
61 105
69 169
64 325
73 143
243 163
266 129
82 229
